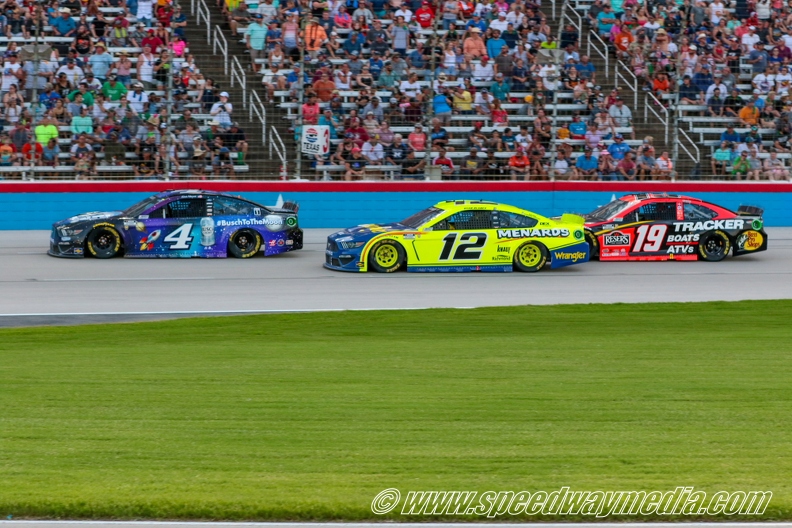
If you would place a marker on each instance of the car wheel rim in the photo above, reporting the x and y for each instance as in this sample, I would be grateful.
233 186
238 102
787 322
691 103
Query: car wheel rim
530 255
242 242
714 245
386 256
103 241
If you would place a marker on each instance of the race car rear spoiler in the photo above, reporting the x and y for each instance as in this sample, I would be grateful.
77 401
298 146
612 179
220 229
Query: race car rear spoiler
291 206
750 210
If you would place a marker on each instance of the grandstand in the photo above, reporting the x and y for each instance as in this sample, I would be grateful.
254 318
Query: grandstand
584 89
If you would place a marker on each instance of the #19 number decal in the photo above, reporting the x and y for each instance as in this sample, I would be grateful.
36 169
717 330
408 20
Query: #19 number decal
468 248
649 238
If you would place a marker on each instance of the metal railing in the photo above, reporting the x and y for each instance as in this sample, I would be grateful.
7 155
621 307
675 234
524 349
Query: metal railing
601 48
621 71
201 12
276 144
570 16
238 75
258 109
221 42
653 105
679 144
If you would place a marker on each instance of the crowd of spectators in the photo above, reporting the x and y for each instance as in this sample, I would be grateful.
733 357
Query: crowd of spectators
454 83
94 96
727 61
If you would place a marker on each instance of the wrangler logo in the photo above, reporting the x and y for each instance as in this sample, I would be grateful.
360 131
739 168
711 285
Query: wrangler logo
574 257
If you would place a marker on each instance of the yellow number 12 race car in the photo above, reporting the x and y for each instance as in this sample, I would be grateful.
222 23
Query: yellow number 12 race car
461 235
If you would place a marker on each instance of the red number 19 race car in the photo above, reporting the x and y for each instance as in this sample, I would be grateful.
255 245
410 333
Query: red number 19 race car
672 227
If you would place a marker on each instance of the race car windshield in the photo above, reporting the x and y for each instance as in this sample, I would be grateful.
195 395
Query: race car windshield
139 207
608 211
421 217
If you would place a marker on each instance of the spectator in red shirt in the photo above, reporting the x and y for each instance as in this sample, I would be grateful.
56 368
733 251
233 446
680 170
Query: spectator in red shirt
520 165
311 111
153 41
446 165
425 15
357 132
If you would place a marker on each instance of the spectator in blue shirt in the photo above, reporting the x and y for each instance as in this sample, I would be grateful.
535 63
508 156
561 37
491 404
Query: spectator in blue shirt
476 21
585 68
416 57
730 135
618 149
605 21
586 166
577 128
702 79
375 65
500 89
495 44
64 26
353 43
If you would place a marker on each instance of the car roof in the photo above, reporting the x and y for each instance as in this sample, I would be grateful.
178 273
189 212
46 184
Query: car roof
456 204
642 197
484 205
185 192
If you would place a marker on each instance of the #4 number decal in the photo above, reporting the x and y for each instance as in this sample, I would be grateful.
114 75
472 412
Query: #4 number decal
180 237
468 247
649 238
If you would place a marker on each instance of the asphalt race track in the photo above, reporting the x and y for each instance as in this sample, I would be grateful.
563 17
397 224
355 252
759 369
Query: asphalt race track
38 289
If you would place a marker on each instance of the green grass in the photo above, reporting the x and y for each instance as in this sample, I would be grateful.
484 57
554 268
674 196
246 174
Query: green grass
308 416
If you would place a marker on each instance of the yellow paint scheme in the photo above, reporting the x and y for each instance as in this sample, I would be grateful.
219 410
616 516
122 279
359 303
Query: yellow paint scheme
433 245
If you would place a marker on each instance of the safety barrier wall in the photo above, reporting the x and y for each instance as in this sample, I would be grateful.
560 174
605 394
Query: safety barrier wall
36 205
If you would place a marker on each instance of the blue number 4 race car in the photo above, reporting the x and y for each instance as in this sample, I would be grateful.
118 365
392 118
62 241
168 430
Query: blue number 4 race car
185 224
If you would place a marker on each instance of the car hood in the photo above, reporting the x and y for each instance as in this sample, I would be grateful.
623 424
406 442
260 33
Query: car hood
88 217
366 231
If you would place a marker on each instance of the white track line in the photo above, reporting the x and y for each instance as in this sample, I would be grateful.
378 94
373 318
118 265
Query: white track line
227 312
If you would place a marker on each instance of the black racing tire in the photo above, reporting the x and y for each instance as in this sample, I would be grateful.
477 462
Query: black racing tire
104 242
593 245
530 257
386 256
245 243
714 246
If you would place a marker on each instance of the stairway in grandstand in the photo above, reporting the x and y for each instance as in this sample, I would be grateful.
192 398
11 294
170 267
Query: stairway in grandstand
213 66
649 117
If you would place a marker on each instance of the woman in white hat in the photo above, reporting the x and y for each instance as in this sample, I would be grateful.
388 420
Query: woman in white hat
222 110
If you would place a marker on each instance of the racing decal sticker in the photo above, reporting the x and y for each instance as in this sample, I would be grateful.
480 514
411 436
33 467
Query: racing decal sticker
534 233
649 237
677 250
616 238
271 222
733 223
690 237
147 242
207 231
574 257
750 241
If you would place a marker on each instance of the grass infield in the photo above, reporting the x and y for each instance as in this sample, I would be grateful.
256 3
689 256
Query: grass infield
309 416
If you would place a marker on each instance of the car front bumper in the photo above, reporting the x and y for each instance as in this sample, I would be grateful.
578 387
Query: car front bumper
65 247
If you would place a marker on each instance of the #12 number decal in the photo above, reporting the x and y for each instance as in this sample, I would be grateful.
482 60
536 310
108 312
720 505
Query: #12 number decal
649 238
468 247
180 237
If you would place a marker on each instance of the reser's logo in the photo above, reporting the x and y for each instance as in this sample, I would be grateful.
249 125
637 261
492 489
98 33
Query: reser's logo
617 238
